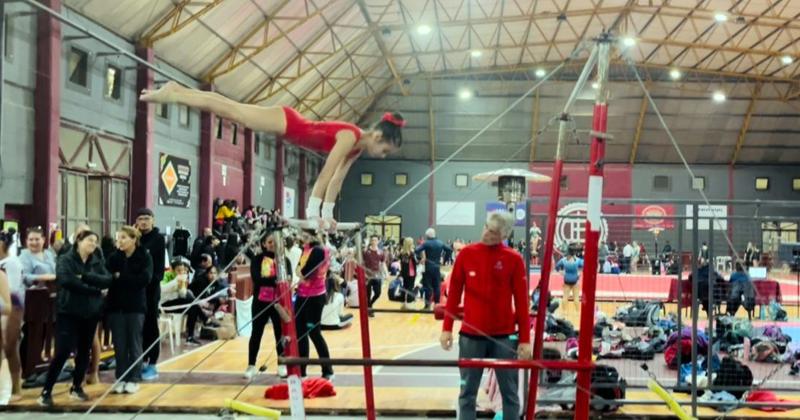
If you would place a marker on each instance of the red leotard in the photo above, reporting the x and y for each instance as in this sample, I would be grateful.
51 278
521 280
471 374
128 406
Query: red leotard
315 135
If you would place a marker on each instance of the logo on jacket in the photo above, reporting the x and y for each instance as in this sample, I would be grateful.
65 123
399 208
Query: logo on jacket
498 266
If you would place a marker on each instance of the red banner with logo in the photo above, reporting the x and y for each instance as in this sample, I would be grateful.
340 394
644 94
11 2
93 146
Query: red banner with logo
654 216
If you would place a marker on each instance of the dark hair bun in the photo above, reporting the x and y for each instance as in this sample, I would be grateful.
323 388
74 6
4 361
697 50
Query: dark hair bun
391 128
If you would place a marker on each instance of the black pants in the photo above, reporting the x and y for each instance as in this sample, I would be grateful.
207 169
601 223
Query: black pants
127 332
431 285
262 313
150 333
72 333
408 289
308 314
374 289
195 313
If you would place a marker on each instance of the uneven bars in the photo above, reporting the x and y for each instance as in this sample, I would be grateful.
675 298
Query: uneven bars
313 224
463 363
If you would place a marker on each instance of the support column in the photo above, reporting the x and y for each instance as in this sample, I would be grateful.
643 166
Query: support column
207 144
142 175
534 129
302 186
279 169
432 139
47 116
249 173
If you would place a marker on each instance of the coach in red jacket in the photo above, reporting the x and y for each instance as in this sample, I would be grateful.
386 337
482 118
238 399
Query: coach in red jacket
495 324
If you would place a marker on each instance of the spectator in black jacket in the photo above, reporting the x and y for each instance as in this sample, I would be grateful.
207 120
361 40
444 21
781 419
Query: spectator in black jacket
264 274
81 277
154 242
132 269
206 283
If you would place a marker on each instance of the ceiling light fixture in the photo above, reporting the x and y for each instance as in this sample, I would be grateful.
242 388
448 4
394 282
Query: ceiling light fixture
465 94
424 29
720 17
595 85
540 73
476 53
675 74
629 41
719 96
787 59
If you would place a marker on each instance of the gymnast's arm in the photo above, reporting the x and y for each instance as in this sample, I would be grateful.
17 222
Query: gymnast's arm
345 142
335 186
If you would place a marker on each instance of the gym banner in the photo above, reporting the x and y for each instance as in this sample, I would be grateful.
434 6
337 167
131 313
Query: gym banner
654 212
174 181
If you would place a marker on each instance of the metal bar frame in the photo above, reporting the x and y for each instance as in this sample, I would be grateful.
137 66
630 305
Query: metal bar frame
593 211
547 258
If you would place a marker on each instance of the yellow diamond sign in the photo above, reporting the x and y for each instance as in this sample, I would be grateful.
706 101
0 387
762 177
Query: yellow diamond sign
169 177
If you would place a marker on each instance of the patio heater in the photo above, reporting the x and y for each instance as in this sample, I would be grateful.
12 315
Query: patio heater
511 184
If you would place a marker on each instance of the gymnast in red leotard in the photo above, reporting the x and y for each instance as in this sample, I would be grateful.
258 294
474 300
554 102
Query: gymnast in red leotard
342 142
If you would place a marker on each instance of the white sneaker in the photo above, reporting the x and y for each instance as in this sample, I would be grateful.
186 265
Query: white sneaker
250 372
282 371
131 387
119 388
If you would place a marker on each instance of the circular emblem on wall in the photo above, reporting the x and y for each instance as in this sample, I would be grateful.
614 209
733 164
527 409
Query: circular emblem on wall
571 224
654 211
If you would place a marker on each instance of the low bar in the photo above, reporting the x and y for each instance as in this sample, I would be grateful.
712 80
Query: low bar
464 363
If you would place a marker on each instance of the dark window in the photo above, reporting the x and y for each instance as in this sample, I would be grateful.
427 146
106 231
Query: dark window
256 145
162 111
661 183
564 182
78 67
7 44
235 136
219 128
113 86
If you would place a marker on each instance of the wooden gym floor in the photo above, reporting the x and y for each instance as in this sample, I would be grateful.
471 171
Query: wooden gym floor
200 379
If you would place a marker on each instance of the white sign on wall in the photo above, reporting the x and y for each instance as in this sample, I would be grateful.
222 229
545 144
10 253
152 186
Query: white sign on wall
455 213
288 202
704 213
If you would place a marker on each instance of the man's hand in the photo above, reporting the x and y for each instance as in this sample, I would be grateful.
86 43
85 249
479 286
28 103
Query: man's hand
524 352
446 340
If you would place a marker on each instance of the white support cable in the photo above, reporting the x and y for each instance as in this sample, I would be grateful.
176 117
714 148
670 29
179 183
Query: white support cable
674 142
480 132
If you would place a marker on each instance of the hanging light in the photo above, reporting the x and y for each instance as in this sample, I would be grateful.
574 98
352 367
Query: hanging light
424 29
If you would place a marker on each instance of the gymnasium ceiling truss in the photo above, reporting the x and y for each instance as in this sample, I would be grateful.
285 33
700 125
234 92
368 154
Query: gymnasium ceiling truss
332 59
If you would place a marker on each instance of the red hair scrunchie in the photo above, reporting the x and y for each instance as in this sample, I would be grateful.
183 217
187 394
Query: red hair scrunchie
390 118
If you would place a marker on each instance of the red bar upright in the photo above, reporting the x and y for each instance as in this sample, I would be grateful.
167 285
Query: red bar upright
593 217
366 348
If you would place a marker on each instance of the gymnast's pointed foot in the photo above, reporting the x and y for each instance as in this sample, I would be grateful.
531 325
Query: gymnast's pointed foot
162 95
